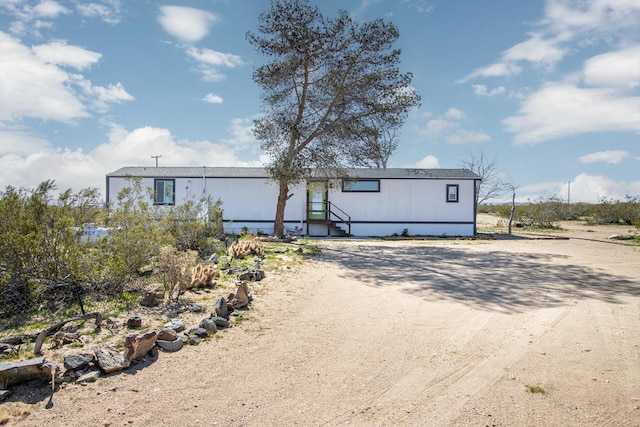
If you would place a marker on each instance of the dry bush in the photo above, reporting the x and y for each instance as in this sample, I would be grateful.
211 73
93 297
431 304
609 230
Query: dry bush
175 267
243 248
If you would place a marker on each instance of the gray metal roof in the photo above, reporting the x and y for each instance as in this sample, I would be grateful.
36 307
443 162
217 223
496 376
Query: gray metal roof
240 172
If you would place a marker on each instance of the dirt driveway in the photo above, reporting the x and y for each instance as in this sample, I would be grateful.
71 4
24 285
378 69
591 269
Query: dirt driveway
416 333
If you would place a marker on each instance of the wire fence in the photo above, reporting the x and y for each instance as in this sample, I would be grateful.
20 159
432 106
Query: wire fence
21 302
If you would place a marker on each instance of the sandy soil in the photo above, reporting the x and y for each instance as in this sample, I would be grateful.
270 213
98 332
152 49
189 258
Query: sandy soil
414 333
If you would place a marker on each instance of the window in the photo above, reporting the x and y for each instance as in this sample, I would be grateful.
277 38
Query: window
361 185
452 192
163 192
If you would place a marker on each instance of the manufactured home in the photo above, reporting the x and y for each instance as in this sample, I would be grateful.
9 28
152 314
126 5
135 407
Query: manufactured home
366 202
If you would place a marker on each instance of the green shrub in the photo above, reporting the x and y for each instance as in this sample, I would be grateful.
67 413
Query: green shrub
610 211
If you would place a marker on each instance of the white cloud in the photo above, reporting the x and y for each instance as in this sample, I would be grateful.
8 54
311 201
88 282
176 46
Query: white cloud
592 17
33 88
101 97
20 143
215 58
186 23
562 109
481 90
427 162
567 26
435 127
213 99
493 70
69 169
190 25
109 10
454 114
364 5
537 50
591 189
241 131
210 61
449 128
462 136
609 156
77 169
30 18
49 9
34 85
60 53
619 68
584 188
422 6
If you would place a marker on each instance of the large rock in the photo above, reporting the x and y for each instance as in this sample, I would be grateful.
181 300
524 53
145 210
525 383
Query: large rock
258 275
199 332
78 361
171 346
110 359
137 346
209 325
175 324
241 297
167 334
17 372
221 308
89 377
221 322
252 275
196 308
620 237
134 322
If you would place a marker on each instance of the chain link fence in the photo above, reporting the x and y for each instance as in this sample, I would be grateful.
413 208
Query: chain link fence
21 302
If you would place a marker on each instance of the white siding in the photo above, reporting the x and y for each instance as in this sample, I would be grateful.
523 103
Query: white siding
246 202
418 205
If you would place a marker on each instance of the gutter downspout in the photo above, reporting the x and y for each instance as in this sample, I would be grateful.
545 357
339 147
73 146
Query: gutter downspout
107 196
476 184
204 180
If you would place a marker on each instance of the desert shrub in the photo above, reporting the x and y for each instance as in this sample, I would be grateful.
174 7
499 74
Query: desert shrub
40 241
175 268
185 224
136 233
194 224
609 211
210 246
546 213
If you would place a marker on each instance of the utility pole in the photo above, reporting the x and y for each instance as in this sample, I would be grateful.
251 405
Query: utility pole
156 157
569 193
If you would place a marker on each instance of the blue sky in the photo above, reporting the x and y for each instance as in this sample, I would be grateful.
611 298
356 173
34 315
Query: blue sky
551 89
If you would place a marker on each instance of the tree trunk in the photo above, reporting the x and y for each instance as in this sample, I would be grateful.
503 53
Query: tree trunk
513 210
283 196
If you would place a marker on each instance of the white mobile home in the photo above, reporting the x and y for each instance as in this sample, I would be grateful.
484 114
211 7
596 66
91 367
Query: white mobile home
367 202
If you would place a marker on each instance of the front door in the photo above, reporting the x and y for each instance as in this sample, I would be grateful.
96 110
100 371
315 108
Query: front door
317 200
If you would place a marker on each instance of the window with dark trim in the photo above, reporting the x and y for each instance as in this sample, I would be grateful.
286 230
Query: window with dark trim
361 185
452 193
163 193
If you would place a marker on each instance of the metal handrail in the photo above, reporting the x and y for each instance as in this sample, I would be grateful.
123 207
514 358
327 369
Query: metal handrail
329 213
342 220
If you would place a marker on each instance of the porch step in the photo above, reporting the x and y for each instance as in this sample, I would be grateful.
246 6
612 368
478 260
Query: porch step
334 225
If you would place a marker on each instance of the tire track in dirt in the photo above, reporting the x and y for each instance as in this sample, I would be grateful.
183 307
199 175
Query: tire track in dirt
471 369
